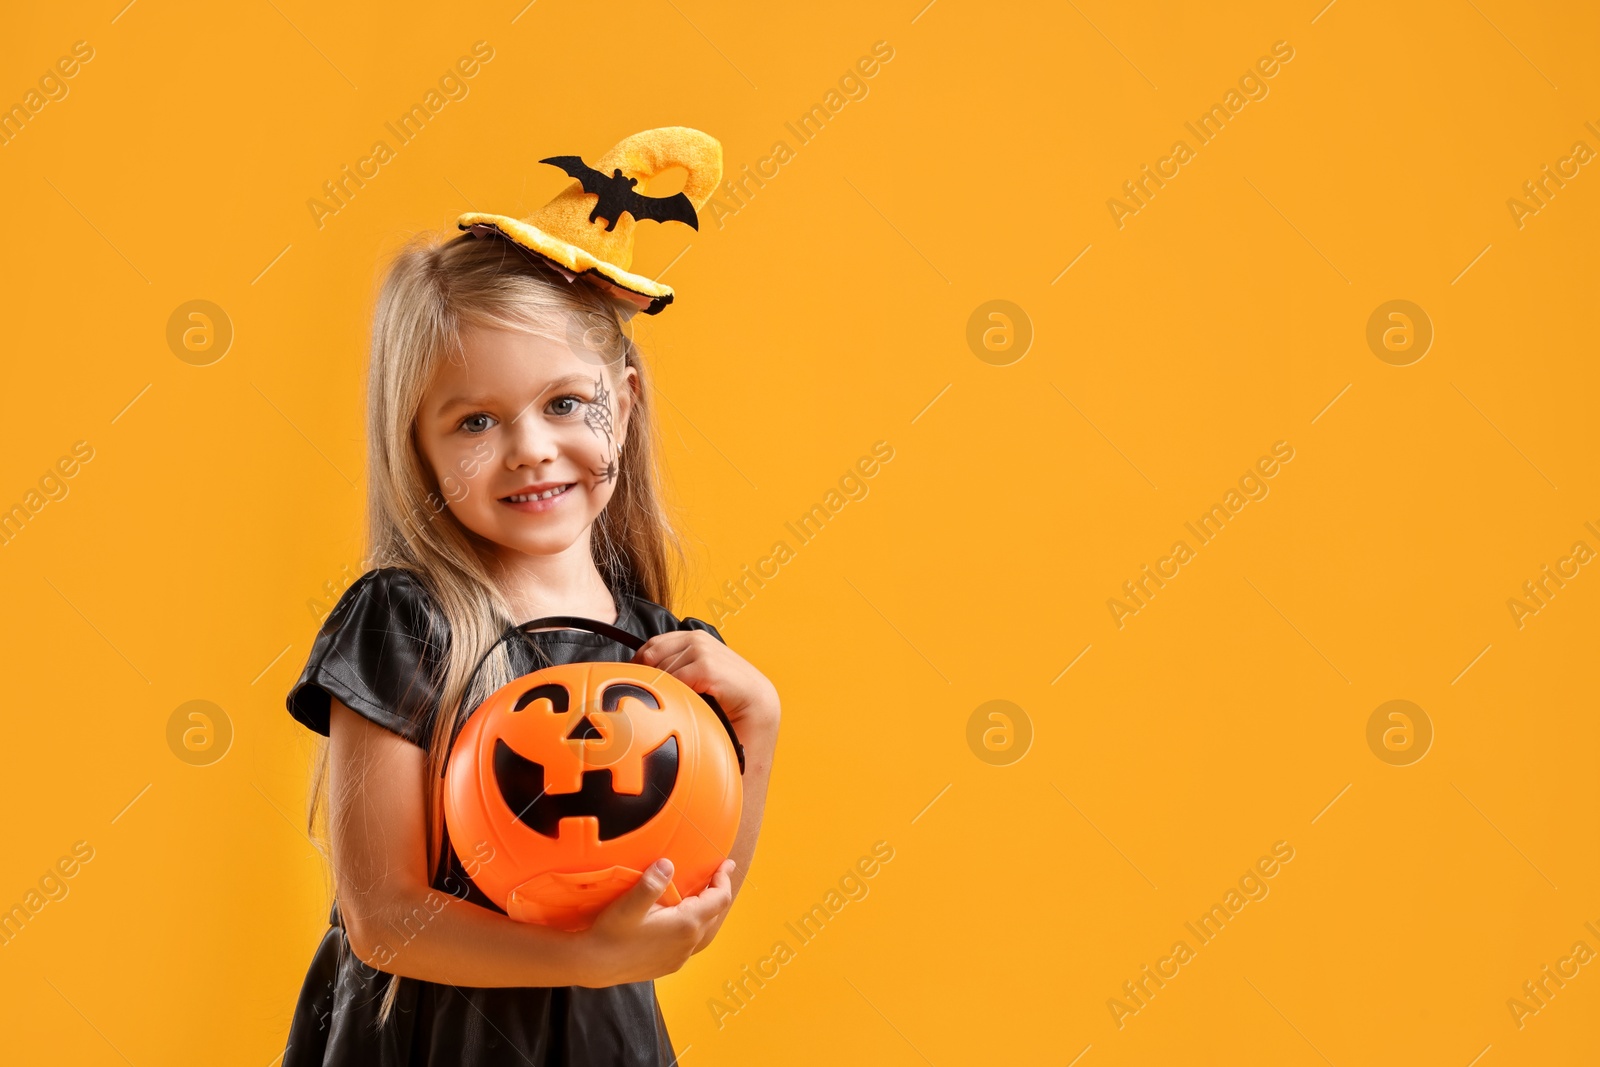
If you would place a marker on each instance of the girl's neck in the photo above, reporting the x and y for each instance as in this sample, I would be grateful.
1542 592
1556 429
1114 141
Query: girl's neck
566 583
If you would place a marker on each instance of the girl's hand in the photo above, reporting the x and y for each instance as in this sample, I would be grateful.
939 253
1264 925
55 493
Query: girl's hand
706 665
635 939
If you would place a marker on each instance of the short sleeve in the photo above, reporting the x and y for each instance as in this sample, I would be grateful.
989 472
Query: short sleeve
689 622
379 652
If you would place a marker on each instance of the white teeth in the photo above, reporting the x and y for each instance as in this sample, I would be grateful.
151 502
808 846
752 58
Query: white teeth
523 498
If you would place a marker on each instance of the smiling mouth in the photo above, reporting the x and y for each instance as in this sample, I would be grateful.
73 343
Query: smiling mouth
522 787
528 498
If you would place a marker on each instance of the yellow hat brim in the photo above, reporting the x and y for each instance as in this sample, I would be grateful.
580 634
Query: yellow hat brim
647 294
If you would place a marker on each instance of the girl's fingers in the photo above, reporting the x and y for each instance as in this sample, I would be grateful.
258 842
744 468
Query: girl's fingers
669 639
714 897
679 658
674 643
709 903
663 650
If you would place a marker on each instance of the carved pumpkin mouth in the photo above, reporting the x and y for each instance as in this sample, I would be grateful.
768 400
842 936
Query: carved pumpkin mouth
521 782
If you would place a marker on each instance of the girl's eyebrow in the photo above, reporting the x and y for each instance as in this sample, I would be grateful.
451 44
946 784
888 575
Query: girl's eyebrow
485 401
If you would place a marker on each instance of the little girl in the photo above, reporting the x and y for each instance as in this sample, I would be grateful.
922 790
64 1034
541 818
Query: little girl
511 477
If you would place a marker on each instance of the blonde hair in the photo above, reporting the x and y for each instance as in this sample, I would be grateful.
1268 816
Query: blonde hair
432 292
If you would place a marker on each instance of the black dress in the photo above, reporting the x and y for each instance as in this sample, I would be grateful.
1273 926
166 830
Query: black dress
379 652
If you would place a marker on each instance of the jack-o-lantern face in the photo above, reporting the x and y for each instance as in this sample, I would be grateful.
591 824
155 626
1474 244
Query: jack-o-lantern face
523 785
578 777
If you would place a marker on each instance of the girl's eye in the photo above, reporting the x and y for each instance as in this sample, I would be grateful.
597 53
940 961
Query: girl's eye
476 423
575 401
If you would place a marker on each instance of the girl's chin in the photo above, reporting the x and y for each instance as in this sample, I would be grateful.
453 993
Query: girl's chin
536 535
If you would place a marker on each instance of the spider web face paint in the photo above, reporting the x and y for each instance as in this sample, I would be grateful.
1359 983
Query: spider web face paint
597 416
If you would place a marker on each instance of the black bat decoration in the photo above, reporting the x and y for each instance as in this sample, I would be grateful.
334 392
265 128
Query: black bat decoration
616 196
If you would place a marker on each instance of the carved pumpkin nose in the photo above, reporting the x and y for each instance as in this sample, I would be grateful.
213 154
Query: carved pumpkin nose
610 701
585 730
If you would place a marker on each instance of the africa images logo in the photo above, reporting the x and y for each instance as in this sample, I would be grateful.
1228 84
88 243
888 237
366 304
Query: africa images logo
1209 126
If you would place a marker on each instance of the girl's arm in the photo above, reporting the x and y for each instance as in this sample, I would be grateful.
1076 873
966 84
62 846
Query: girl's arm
758 733
399 924
751 703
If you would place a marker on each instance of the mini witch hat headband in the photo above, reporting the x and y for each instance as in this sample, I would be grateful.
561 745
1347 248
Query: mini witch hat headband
587 231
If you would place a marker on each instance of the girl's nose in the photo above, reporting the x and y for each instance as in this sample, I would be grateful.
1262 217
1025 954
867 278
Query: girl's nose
529 442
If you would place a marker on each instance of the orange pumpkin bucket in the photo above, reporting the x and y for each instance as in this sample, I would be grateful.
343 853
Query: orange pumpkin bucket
581 775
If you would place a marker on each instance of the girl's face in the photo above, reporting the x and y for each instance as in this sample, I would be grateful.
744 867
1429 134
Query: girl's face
518 416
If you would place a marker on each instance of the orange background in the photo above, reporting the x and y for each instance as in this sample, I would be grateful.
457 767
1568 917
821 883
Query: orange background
828 312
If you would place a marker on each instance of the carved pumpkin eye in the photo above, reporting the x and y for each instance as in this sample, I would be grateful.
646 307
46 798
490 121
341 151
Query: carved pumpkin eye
612 697
554 692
